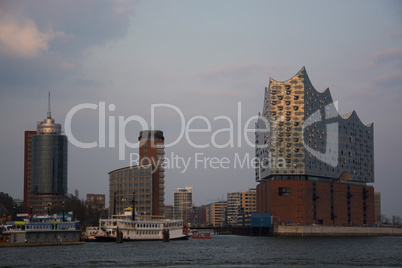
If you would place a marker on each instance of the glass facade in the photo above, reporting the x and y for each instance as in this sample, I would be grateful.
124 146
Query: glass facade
49 164
301 133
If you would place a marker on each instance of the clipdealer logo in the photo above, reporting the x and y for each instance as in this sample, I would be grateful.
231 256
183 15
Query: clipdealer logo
199 160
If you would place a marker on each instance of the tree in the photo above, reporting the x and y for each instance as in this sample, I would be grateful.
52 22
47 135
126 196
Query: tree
384 219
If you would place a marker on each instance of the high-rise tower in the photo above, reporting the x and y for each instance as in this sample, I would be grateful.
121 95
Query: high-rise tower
183 203
47 152
152 151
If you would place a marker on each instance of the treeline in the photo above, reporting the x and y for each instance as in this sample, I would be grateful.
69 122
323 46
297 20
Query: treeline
87 214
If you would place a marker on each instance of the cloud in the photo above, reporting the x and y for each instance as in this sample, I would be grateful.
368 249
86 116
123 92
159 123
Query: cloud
44 42
388 55
22 39
392 80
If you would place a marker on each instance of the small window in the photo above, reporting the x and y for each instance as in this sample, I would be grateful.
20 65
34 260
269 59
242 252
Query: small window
287 102
295 97
284 191
280 97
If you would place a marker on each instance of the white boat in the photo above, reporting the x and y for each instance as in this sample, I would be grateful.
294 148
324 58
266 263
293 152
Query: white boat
141 228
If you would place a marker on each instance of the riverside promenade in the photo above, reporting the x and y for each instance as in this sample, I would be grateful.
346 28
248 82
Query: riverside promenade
304 230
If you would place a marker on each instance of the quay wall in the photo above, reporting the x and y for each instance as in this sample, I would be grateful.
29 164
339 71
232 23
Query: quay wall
303 230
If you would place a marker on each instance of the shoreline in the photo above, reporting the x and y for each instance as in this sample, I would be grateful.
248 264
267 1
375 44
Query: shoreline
304 230
6 245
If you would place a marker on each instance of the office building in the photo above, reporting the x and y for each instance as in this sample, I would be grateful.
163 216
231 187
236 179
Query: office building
45 167
183 203
146 180
217 214
314 164
239 203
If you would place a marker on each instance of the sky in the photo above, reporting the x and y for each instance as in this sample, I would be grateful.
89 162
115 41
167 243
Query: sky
113 67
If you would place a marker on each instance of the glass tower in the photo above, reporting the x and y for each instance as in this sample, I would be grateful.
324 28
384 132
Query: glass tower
49 158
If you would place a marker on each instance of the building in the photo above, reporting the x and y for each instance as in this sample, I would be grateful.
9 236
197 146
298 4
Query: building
183 203
45 167
314 164
124 182
201 216
240 203
96 201
377 204
169 212
28 169
146 180
152 151
217 213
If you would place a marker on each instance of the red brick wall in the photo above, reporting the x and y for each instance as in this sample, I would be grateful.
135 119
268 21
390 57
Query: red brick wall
27 169
340 204
370 215
323 202
294 208
298 206
356 204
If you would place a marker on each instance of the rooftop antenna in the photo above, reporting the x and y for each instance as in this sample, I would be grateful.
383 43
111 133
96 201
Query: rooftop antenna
49 114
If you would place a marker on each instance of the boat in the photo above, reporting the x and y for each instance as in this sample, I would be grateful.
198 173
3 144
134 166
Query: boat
42 230
139 227
197 235
90 233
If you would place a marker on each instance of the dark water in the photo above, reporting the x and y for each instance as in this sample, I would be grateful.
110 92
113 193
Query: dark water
220 251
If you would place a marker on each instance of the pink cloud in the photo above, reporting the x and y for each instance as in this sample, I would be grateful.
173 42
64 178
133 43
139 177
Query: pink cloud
23 39
388 54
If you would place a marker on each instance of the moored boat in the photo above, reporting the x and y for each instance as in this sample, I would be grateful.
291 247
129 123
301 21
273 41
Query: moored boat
139 228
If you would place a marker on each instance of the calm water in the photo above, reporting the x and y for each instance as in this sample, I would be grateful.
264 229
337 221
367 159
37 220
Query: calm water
220 251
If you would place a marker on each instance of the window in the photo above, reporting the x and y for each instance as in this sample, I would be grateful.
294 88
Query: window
283 191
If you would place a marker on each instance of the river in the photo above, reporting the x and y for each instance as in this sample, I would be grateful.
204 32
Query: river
220 251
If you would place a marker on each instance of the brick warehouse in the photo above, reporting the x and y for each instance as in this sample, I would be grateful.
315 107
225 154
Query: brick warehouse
309 202
314 164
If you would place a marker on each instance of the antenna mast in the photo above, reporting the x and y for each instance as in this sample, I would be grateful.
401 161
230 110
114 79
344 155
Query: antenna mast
49 114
